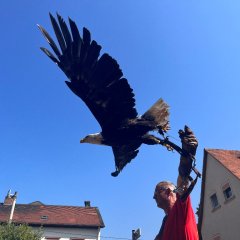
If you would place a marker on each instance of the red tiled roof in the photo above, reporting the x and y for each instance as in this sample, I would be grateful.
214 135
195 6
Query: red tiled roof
67 216
230 159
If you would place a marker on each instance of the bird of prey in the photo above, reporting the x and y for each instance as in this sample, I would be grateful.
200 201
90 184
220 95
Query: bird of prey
99 82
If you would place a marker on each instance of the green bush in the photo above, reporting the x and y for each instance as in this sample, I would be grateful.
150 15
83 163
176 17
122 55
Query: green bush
19 232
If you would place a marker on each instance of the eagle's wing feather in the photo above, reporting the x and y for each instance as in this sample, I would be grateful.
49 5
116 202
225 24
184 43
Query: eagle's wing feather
123 155
58 34
96 80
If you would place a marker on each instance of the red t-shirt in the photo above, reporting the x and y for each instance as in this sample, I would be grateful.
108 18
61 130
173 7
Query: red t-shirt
180 223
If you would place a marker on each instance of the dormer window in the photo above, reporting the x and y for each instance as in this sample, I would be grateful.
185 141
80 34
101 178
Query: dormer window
44 217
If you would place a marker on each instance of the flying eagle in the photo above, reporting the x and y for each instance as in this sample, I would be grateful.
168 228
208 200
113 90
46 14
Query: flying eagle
99 82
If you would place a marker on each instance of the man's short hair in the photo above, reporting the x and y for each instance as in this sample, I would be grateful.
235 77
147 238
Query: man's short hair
166 183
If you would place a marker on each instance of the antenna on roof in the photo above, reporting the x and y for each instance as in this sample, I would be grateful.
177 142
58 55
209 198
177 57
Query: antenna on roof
14 198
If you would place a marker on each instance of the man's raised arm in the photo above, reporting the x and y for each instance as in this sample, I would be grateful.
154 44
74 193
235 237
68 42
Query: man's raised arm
189 146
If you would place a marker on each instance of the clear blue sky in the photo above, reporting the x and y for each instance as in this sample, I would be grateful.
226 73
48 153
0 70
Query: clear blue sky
187 52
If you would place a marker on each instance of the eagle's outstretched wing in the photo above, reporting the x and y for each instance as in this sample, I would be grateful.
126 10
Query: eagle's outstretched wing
96 79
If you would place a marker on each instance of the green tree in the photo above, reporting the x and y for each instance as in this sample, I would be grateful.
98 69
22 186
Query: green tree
19 232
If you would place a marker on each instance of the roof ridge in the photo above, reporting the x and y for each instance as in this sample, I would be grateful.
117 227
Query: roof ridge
51 205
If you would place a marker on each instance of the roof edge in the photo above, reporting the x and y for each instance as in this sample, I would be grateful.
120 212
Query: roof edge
201 205
100 218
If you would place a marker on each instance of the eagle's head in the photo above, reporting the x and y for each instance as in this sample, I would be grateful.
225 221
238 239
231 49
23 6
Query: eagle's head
95 138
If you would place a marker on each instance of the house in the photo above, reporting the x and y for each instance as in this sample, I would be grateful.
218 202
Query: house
219 209
58 222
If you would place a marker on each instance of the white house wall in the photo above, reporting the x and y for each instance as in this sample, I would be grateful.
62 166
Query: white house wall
68 233
223 221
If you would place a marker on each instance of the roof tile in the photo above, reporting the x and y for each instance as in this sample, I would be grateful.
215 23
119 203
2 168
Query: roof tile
56 215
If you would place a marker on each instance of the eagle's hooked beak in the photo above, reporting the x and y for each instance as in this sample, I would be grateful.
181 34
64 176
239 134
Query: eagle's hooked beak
82 140
95 138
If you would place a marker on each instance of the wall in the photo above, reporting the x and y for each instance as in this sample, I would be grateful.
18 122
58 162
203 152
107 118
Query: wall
68 233
223 221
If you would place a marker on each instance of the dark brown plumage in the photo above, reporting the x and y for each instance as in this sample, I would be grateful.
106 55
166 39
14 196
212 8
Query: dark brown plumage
99 82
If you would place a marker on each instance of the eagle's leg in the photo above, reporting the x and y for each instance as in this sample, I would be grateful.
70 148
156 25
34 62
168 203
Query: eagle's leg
172 146
151 139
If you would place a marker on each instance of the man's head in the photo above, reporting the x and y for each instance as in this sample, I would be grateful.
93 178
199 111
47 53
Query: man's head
164 195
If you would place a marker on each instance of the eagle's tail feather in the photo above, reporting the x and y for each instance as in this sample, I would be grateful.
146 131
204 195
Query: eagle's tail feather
159 114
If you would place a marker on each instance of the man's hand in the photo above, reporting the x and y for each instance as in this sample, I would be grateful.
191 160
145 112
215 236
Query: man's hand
189 141
189 146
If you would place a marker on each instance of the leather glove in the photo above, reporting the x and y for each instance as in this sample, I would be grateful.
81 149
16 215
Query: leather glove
189 146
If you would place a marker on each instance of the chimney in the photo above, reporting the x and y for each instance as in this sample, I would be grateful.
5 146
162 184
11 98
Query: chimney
11 199
87 203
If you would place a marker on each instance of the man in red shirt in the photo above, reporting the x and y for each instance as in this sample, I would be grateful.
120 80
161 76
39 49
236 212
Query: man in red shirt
179 222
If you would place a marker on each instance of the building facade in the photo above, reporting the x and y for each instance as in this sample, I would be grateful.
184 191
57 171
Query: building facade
219 209
57 222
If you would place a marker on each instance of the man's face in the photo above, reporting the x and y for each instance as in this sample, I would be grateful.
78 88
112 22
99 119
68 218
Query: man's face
160 195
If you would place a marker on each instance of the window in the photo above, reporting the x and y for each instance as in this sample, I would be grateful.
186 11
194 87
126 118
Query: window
214 201
44 217
227 192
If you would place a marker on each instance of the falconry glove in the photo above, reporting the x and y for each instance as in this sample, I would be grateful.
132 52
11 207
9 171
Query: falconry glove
189 147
